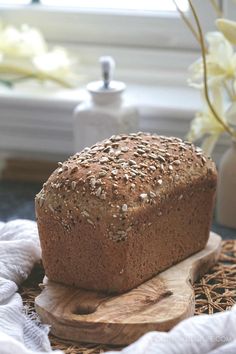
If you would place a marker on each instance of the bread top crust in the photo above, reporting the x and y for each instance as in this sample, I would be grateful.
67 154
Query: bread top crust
120 176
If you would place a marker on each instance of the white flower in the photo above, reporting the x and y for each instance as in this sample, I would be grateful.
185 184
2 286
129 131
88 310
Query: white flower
231 113
228 28
55 60
206 126
25 42
24 54
221 62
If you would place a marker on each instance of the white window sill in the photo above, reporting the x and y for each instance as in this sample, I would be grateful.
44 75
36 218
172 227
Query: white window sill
38 122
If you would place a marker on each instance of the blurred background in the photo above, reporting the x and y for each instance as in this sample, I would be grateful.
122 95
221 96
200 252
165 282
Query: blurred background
151 46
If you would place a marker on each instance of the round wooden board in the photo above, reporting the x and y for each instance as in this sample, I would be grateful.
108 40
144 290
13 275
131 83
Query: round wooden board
158 304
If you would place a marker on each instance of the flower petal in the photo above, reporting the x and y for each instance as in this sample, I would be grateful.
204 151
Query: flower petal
24 42
228 28
209 143
220 50
231 114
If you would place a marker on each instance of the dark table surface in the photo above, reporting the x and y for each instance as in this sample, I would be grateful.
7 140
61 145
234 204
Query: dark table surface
17 201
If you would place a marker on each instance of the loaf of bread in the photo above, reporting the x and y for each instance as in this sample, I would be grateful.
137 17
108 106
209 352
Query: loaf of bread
116 214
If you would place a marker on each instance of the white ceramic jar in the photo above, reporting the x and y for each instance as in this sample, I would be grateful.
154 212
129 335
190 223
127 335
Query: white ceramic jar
106 112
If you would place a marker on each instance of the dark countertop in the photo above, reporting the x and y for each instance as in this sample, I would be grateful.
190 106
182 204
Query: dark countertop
17 201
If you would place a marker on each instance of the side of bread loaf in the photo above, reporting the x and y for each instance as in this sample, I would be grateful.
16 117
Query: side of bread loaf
121 211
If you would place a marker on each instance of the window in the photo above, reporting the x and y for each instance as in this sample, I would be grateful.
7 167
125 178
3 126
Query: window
152 48
150 24
141 5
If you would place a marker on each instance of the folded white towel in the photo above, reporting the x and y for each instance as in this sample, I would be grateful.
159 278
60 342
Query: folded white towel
19 251
19 334
205 334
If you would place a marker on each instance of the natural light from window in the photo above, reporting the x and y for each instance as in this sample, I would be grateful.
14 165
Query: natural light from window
13 2
143 5
140 5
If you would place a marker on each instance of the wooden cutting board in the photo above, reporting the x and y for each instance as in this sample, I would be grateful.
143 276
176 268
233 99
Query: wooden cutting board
158 304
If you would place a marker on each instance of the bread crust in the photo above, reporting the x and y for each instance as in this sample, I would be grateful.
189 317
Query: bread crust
118 213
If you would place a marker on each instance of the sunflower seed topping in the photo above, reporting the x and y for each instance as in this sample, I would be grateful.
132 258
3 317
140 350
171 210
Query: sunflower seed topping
102 173
132 162
152 194
73 185
176 162
103 159
143 197
124 208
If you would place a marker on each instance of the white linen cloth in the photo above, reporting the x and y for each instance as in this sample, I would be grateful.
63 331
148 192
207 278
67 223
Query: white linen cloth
19 251
20 334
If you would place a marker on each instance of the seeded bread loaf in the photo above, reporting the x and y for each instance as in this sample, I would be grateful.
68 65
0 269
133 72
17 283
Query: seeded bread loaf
116 214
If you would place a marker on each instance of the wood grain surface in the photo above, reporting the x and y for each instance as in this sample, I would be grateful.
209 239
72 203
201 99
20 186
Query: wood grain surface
158 304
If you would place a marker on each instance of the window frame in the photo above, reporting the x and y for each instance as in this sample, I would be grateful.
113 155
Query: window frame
109 27
157 55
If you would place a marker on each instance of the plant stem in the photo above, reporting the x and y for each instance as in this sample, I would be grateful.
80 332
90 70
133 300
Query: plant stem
187 22
25 72
226 127
217 9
